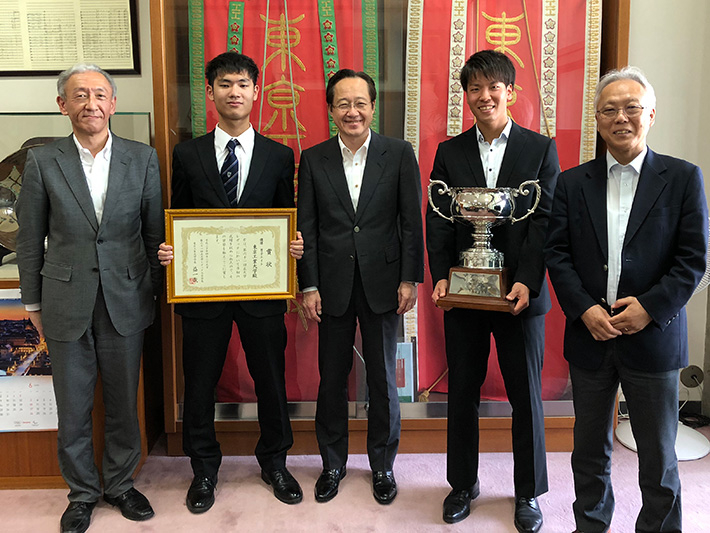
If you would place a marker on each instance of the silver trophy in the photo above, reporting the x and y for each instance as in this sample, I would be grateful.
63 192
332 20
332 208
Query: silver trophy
481 280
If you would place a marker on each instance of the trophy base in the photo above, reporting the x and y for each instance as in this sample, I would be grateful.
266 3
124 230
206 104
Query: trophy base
477 288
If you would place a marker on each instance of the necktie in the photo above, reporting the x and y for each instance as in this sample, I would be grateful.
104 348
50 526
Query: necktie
230 172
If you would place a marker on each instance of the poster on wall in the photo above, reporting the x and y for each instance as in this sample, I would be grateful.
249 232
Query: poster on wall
26 394
42 38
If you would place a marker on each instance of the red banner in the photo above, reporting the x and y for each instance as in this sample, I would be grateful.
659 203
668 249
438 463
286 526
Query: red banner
515 28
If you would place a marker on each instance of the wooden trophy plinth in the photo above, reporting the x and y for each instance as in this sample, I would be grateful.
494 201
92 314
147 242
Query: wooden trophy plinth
477 288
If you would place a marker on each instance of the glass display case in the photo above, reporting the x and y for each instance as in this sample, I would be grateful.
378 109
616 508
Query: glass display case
413 49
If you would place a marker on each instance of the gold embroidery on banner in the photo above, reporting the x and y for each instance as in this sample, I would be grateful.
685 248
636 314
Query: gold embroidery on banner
413 62
504 34
280 37
282 96
457 51
548 45
592 46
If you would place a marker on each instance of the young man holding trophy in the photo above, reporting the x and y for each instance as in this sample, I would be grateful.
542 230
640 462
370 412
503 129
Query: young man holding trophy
499 282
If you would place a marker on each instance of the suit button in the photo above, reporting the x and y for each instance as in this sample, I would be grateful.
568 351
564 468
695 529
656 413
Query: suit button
356 229
95 269
100 241
352 258
606 268
603 300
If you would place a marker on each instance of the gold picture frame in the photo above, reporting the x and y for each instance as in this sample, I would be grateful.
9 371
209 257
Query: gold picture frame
230 254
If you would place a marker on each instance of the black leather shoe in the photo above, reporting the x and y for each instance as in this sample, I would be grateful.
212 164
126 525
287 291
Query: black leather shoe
457 505
286 488
133 505
327 484
384 487
200 495
77 517
528 516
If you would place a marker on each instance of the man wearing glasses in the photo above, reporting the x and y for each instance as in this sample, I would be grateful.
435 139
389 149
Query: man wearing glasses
359 210
626 248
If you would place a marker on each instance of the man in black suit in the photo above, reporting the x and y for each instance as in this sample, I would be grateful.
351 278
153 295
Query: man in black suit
256 172
359 209
626 248
495 153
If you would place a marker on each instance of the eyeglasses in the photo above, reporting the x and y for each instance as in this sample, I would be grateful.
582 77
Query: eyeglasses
631 111
360 105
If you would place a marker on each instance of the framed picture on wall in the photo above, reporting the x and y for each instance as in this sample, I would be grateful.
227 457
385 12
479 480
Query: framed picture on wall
45 38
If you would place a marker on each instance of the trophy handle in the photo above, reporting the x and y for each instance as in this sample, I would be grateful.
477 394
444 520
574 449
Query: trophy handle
444 190
522 190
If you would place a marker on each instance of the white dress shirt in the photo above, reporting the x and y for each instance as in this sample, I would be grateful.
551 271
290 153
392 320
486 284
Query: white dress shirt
96 173
492 154
622 182
354 167
243 151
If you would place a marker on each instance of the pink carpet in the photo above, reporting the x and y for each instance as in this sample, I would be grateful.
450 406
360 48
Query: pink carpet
245 503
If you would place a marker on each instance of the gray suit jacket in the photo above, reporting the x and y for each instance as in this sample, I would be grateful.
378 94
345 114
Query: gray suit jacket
120 254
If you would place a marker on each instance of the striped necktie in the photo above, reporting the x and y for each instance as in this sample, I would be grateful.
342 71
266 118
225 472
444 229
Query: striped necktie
230 172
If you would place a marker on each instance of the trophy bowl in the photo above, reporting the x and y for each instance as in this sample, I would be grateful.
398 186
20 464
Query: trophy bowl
481 279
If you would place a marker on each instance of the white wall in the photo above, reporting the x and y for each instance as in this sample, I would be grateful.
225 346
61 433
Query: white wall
39 93
670 41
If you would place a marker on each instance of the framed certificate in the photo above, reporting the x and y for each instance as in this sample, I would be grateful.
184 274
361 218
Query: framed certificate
230 254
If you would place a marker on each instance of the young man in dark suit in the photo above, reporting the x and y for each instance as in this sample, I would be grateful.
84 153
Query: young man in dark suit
95 199
359 209
626 248
233 166
496 152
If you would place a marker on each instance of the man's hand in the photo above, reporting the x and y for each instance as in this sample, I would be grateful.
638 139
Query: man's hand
441 289
599 324
295 248
519 297
632 319
407 297
36 319
165 254
312 305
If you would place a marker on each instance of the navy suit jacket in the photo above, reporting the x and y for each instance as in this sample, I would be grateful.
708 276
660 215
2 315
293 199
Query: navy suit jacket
197 184
528 156
384 235
663 258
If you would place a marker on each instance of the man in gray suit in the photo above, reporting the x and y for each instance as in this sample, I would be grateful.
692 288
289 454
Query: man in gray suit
95 198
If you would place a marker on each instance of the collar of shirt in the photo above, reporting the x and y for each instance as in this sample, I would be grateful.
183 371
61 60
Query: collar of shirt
345 151
85 154
354 167
221 138
492 153
244 152
636 164
503 134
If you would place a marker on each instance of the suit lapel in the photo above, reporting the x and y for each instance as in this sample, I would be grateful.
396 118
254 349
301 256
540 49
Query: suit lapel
70 164
256 167
120 161
473 157
513 149
650 186
333 166
594 191
374 166
206 155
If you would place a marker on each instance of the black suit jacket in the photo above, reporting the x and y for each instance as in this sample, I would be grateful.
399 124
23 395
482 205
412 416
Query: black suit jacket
384 236
196 183
528 156
663 258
